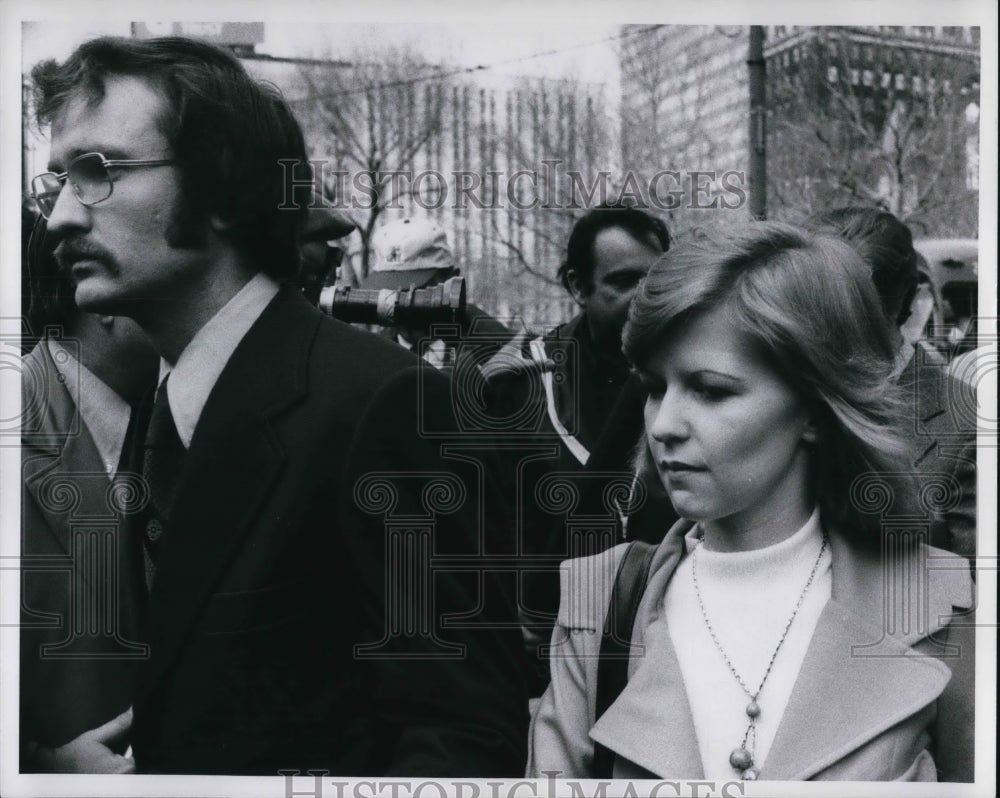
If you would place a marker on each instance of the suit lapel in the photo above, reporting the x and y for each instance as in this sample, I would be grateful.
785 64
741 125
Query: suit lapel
234 460
925 384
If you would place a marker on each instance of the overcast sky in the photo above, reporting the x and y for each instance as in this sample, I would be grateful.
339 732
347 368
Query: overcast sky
510 48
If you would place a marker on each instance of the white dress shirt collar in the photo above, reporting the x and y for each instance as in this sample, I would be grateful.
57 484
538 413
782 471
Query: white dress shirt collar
197 369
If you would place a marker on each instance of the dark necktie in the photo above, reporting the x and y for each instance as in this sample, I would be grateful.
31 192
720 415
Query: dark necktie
163 456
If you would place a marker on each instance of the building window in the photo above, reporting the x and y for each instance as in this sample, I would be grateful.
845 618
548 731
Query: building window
886 80
900 82
831 74
868 78
918 84
855 77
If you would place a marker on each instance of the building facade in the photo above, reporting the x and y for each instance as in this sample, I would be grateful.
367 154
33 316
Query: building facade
491 159
871 115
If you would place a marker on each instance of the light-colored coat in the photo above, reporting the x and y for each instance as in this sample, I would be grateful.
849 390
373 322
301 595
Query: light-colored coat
877 698
78 571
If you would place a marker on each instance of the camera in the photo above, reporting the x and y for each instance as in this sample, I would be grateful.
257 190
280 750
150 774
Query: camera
406 307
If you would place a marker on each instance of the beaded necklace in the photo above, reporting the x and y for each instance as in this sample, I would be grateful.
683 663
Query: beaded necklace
742 758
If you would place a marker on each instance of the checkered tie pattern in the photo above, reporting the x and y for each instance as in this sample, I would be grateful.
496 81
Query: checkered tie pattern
162 459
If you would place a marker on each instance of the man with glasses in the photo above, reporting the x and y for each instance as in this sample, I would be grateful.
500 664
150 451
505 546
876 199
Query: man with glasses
278 447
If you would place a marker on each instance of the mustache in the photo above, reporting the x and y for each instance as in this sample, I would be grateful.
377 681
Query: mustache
72 250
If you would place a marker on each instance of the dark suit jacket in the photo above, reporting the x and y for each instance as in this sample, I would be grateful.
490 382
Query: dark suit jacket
313 485
942 427
79 607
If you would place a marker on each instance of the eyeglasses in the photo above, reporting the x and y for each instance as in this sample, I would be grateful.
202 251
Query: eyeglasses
89 176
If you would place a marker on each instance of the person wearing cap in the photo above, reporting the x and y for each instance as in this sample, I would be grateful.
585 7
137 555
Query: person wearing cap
414 253
320 260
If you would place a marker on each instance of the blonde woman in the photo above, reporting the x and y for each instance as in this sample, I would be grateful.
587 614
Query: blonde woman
787 631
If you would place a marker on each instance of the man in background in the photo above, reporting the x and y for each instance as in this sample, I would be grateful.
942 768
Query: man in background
564 387
944 445
320 258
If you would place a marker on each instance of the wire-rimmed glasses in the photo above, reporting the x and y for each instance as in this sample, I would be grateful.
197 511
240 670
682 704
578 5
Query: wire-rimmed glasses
90 177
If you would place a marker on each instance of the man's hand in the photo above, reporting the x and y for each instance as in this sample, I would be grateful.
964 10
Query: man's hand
91 751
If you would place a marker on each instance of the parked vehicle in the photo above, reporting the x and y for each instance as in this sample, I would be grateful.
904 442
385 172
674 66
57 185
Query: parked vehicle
949 269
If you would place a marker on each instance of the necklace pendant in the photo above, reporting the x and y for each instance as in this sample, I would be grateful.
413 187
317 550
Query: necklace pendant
741 759
750 774
753 709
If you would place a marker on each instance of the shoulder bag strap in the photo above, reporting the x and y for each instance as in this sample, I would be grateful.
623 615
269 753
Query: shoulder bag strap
612 664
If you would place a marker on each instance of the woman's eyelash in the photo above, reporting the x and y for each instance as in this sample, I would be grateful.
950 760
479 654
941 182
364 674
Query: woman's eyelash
712 391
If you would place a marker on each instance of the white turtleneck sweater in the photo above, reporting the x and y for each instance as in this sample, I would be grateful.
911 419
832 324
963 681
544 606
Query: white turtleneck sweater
749 597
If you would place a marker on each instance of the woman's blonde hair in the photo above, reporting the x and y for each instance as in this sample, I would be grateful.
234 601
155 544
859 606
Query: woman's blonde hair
809 303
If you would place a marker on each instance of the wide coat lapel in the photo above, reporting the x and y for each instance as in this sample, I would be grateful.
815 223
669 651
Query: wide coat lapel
860 676
855 683
650 723
234 460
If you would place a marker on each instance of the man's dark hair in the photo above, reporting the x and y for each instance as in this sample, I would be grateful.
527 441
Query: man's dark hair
642 226
227 133
886 245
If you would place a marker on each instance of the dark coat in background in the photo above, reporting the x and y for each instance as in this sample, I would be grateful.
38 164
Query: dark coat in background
942 428
568 418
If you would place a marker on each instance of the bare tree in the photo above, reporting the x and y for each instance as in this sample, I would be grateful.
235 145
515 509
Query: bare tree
558 136
372 120
867 119
684 109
